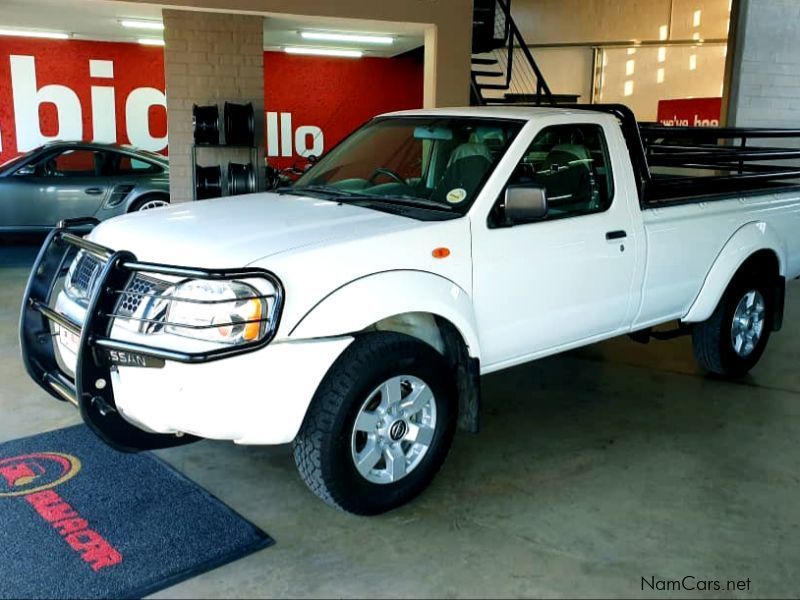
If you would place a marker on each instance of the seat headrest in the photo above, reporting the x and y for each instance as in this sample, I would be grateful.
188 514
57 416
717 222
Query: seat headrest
578 151
470 149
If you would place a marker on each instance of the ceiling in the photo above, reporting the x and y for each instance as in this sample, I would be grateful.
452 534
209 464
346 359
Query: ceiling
280 32
99 20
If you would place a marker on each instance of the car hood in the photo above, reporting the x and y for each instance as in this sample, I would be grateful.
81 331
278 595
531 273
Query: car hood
237 231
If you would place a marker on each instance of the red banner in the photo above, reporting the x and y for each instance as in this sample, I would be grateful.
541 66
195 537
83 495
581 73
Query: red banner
690 112
114 92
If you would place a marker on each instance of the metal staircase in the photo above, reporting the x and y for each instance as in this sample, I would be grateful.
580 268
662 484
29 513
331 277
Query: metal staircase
503 68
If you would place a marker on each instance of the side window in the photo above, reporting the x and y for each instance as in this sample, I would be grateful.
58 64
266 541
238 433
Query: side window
123 164
571 163
72 163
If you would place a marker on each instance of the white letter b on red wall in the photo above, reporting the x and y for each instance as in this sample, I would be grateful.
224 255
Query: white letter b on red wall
28 97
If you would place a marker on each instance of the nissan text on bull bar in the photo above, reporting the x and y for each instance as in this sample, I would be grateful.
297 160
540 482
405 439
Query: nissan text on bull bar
353 313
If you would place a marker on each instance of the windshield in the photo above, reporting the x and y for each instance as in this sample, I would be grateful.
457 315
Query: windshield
17 160
433 163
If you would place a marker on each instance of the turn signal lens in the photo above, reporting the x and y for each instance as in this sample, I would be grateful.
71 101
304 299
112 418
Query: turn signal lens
441 252
252 330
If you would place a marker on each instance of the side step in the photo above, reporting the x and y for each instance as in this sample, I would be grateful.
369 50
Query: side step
488 74
645 335
484 61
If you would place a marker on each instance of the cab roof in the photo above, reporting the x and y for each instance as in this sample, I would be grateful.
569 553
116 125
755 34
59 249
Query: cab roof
498 112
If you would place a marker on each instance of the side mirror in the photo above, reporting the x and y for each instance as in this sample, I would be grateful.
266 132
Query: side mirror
525 203
26 170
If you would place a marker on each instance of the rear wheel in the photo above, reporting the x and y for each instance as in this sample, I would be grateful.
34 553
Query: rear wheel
379 426
732 340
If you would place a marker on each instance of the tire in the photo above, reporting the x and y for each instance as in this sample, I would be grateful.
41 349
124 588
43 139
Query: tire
715 341
327 447
149 202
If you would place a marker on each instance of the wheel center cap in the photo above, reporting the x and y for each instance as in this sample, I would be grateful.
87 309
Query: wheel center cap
398 430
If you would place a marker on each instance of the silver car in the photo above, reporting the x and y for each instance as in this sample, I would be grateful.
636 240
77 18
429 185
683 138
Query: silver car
65 180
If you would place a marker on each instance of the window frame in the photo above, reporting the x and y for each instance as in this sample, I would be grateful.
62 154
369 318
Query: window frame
492 220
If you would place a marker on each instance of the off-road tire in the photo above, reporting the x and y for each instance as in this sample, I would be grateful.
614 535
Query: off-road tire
322 449
711 339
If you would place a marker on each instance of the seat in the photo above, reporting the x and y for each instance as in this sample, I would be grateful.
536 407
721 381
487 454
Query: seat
566 174
468 164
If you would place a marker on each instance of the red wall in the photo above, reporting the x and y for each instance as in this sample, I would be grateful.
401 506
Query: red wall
67 63
338 94
332 94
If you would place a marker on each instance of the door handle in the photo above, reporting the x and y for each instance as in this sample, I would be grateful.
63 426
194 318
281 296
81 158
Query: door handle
616 235
94 191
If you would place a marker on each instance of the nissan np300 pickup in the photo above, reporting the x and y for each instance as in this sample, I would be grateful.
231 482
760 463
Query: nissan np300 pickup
353 313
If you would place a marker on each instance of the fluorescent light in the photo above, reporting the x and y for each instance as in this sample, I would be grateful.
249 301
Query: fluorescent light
151 41
346 37
629 88
324 52
51 35
158 25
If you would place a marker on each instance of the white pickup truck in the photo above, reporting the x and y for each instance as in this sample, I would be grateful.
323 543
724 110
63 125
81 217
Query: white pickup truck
353 313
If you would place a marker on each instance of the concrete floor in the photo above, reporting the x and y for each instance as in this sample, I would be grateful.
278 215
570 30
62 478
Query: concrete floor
594 469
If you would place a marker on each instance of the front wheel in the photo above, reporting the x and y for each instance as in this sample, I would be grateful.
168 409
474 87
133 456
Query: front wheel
734 337
380 425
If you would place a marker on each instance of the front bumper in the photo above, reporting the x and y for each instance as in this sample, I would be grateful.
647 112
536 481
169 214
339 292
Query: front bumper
133 408
255 398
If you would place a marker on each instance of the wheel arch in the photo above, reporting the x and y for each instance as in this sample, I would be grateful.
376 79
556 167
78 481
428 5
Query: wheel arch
144 196
394 299
428 307
754 247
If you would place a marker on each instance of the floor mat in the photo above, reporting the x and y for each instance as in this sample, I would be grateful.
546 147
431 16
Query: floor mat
80 520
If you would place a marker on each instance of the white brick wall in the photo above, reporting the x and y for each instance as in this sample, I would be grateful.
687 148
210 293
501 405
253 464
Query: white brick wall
767 67
209 58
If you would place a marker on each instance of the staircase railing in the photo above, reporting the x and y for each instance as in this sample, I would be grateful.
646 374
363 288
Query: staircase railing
523 78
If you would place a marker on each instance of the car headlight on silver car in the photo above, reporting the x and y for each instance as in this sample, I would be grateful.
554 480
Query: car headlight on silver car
227 312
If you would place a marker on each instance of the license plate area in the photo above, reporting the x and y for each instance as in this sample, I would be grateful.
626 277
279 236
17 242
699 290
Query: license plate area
68 340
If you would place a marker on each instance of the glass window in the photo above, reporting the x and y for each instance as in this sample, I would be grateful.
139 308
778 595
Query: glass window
425 162
72 163
124 164
571 162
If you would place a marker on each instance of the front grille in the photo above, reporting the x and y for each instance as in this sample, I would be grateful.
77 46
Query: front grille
85 273
140 288
82 276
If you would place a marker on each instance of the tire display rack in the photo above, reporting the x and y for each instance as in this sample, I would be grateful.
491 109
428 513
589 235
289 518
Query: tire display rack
234 130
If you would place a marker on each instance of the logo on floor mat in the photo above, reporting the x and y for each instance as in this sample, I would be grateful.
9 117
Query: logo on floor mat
33 476
30 473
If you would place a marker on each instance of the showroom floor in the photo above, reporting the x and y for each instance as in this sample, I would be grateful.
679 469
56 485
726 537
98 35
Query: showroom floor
594 469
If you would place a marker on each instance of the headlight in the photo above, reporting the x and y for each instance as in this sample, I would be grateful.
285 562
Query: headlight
228 312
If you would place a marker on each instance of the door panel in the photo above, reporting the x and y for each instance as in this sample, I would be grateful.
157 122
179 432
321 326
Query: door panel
541 285
66 185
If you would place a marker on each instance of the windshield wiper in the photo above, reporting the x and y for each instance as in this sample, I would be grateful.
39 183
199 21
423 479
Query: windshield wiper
319 189
347 195
406 201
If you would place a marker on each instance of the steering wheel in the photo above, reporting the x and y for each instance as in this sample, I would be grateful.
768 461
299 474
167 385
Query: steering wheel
388 173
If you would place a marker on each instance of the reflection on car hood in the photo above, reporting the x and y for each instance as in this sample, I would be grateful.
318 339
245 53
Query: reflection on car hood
236 231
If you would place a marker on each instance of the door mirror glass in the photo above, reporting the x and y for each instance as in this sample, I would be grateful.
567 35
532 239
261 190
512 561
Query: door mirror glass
525 203
26 170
